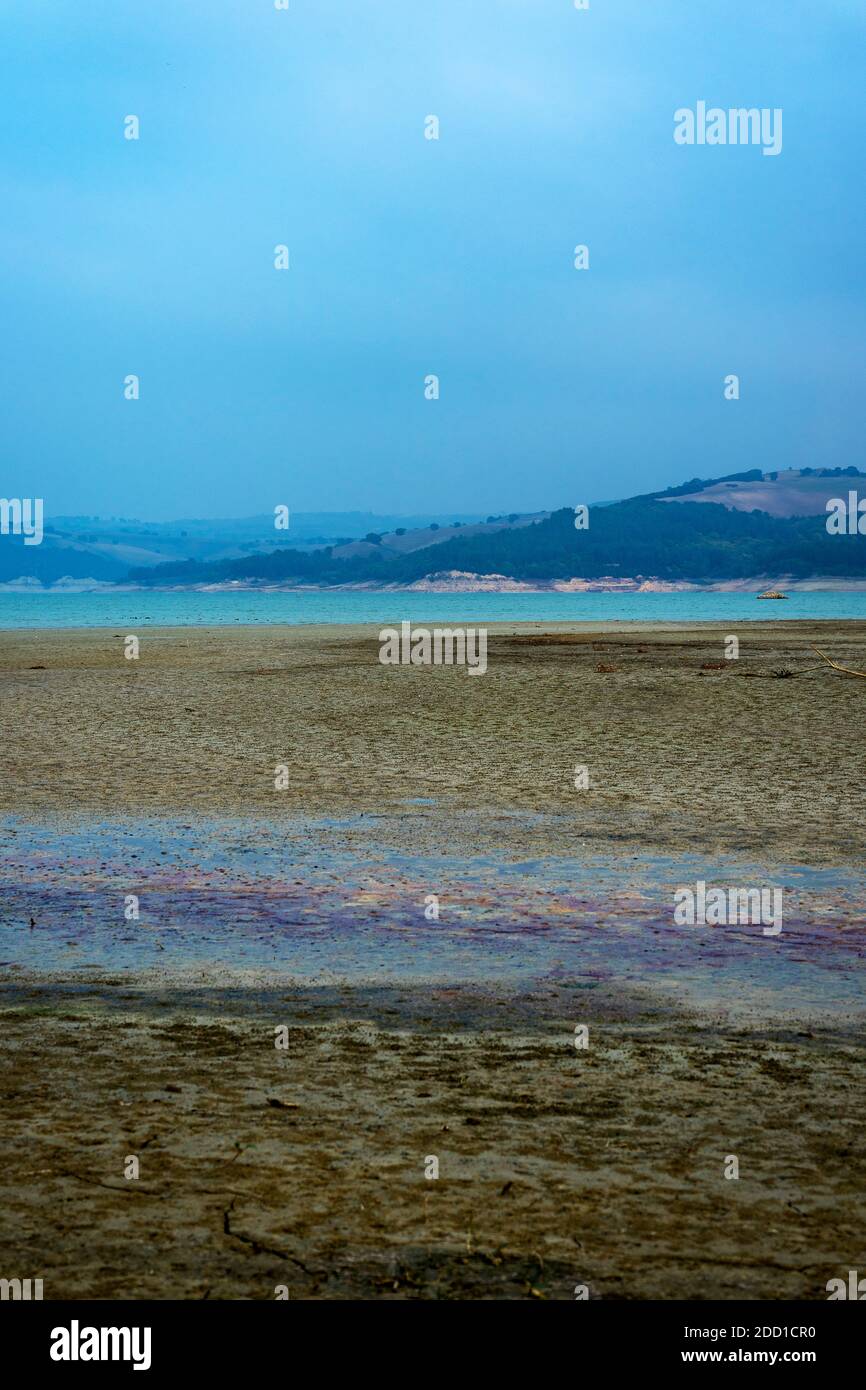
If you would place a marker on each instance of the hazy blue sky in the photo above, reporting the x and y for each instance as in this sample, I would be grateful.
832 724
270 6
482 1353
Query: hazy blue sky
411 256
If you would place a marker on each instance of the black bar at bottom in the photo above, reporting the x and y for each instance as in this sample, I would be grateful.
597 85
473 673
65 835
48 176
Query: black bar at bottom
280 1338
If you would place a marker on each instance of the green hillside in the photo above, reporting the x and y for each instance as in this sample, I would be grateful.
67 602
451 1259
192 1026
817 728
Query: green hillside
642 537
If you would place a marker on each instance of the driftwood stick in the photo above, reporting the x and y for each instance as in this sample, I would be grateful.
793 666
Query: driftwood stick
846 670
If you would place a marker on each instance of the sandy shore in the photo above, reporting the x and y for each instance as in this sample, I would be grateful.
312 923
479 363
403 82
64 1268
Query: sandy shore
683 748
408 1039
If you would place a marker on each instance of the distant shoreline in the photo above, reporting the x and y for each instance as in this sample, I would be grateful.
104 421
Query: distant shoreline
457 582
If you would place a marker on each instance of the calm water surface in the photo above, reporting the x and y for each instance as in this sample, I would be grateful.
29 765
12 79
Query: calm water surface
122 609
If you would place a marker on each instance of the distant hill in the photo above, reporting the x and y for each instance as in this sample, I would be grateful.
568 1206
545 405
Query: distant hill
794 492
745 525
403 540
105 549
702 532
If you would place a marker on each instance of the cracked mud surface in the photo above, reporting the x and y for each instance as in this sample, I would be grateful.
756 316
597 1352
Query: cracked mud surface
683 755
305 1168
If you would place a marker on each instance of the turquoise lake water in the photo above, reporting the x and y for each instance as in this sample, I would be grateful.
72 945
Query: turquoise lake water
122 609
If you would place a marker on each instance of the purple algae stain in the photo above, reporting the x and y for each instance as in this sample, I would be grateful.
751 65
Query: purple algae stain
328 901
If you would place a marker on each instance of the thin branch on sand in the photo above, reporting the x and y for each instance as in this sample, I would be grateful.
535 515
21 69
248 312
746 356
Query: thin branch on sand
846 670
